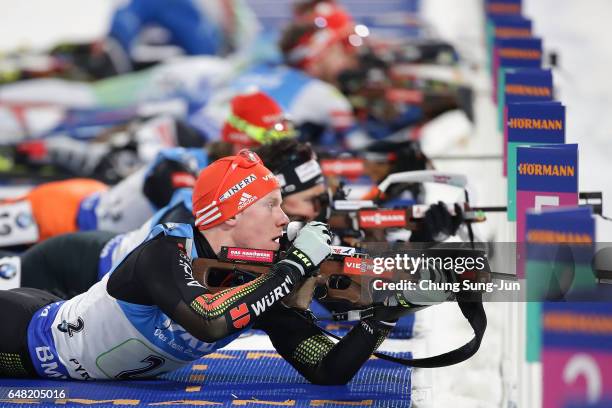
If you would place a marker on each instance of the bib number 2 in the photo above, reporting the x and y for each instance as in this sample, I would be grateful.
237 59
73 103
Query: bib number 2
134 359
151 363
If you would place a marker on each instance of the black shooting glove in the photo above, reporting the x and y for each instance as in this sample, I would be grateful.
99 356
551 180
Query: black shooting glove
438 224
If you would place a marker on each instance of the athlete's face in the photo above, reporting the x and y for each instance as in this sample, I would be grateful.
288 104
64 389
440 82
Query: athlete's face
331 62
303 206
261 225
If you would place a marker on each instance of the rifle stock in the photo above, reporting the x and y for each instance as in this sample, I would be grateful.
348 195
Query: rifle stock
331 277
344 279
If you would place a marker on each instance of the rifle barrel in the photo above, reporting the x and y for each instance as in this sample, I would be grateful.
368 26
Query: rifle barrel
490 209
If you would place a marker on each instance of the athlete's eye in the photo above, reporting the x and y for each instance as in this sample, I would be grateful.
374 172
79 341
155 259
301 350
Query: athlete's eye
273 203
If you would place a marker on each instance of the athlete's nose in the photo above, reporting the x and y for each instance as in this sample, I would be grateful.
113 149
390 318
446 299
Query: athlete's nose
283 220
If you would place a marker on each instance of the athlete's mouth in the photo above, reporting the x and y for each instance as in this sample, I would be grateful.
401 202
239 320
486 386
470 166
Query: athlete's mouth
277 239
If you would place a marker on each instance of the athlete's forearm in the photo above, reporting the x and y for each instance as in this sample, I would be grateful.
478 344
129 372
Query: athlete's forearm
233 309
339 364
314 355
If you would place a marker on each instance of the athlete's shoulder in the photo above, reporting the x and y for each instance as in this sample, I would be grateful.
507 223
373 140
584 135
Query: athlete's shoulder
172 229
179 210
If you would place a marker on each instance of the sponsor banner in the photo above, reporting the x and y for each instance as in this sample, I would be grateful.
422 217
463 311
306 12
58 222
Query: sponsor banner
499 27
515 53
518 52
553 227
350 168
514 27
557 262
576 355
522 85
363 267
546 176
534 172
531 123
502 7
552 168
382 218
249 255
527 85
542 122
354 266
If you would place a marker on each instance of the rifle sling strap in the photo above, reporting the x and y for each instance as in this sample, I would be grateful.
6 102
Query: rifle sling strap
473 310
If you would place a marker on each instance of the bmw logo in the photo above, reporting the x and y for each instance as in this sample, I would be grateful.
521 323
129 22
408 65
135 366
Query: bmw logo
23 220
8 271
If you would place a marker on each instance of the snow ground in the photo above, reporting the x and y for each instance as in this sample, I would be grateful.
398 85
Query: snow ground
578 31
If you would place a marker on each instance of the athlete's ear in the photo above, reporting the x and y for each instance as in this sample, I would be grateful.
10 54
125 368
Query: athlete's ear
231 222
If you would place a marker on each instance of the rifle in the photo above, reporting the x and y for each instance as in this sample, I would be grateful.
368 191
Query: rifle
348 288
359 218
377 89
346 277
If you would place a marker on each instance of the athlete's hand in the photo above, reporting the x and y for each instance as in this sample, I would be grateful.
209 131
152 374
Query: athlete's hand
311 246
438 224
